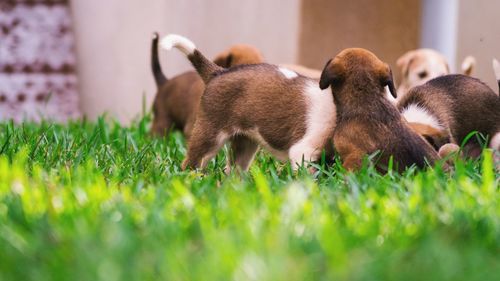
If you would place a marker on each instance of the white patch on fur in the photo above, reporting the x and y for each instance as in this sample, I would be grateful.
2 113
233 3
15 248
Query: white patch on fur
418 114
321 116
289 74
389 96
179 42
495 142
496 68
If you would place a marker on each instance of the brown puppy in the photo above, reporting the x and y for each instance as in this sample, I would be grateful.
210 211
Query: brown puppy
253 105
177 99
366 121
448 108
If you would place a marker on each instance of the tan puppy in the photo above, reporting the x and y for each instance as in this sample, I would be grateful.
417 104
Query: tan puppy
177 99
366 121
252 105
421 65
448 108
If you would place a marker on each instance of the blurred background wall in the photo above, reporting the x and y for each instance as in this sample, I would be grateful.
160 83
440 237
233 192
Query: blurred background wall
478 25
113 37
113 42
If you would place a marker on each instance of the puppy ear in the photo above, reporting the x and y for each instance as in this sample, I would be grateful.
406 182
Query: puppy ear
329 75
404 62
224 60
388 81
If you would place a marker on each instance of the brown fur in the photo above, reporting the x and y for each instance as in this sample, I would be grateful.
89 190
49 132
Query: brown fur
436 138
177 99
253 99
260 107
366 121
461 104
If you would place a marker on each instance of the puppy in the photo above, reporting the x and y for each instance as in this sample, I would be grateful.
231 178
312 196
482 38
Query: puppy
366 121
421 65
177 99
252 105
448 108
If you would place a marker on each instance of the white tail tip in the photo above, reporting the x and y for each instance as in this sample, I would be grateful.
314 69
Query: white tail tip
496 68
468 65
179 42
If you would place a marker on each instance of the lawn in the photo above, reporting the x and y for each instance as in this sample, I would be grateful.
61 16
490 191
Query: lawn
98 201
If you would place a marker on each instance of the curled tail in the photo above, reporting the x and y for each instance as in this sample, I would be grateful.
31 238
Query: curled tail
496 69
155 62
205 67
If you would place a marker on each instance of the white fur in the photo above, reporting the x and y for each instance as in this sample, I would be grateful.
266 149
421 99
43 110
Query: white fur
495 142
389 96
179 42
321 116
496 68
468 64
417 114
289 74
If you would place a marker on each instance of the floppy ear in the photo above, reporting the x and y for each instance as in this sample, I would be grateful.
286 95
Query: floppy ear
328 76
404 61
388 80
224 60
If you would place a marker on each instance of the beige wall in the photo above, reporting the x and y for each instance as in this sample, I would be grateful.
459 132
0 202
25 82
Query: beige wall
479 35
113 38
113 42
386 27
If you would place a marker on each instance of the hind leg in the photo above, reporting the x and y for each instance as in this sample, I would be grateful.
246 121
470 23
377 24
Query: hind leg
161 126
242 153
204 143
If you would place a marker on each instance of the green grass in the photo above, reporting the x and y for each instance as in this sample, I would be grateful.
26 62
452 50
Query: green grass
97 201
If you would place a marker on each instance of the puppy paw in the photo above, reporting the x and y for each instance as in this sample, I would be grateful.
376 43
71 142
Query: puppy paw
448 149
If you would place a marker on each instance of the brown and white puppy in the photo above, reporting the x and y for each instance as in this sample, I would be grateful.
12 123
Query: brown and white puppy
366 121
177 99
448 108
252 105
421 65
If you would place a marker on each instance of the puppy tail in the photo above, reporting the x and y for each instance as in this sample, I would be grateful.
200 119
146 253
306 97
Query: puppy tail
468 65
205 67
160 78
496 69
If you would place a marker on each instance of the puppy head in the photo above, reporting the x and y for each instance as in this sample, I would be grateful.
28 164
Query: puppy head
358 68
436 138
239 54
421 65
